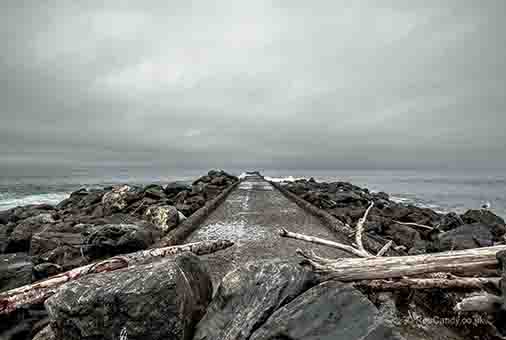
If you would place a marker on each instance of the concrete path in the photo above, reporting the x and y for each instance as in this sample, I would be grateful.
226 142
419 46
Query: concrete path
252 216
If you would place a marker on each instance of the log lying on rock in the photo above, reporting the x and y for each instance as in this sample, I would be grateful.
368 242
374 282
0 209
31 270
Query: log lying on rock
353 269
40 291
431 283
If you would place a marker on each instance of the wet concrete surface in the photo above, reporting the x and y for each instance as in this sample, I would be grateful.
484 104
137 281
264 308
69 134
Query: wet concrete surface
252 216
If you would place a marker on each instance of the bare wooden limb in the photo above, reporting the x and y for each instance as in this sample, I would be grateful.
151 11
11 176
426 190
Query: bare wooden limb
480 303
353 269
424 283
415 225
40 291
312 239
385 248
359 230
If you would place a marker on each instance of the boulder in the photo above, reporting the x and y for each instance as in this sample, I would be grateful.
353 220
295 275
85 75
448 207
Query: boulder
19 239
486 217
175 188
114 239
329 311
154 191
117 199
165 218
15 271
4 217
450 221
219 181
464 237
249 295
45 270
403 235
161 300
45 334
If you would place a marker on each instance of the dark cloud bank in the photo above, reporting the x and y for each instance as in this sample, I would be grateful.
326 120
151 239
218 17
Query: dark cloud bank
277 84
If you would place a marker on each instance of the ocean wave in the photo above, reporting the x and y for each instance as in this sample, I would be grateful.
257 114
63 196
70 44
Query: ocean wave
48 198
283 179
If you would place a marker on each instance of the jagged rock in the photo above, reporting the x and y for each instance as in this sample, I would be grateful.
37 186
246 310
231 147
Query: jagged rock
219 181
15 271
154 191
22 324
198 189
161 300
403 235
45 270
329 311
186 209
116 199
4 234
81 198
45 334
450 221
248 295
464 237
4 217
486 217
113 239
46 241
165 218
19 239
175 188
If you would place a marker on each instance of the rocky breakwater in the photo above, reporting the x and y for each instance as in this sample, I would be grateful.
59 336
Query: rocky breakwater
433 312
39 241
413 229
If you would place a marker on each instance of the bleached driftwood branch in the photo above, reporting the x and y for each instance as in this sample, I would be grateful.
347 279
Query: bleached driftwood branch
359 230
385 248
317 240
430 283
40 291
415 225
353 269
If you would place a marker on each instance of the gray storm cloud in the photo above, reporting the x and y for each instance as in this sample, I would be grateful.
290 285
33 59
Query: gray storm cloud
257 83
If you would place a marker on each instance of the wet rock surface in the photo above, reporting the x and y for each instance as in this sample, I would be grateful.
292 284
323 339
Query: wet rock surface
275 299
162 300
91 224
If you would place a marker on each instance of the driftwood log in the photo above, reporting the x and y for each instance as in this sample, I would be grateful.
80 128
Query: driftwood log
317 240
353 269
40 291
453 282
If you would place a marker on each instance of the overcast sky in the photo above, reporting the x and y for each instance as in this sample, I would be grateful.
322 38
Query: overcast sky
267 84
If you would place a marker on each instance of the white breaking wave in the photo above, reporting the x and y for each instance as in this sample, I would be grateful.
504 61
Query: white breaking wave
283 179
52 198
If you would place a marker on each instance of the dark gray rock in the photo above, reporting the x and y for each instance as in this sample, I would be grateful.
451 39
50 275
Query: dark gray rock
15 271
403 235
248 296
114 239
486 217
450 221
4 217
329 311
19 239
154 191
162 300
464 237
45 270
175 188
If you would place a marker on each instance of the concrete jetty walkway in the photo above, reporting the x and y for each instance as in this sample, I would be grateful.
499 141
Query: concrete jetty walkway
252 216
